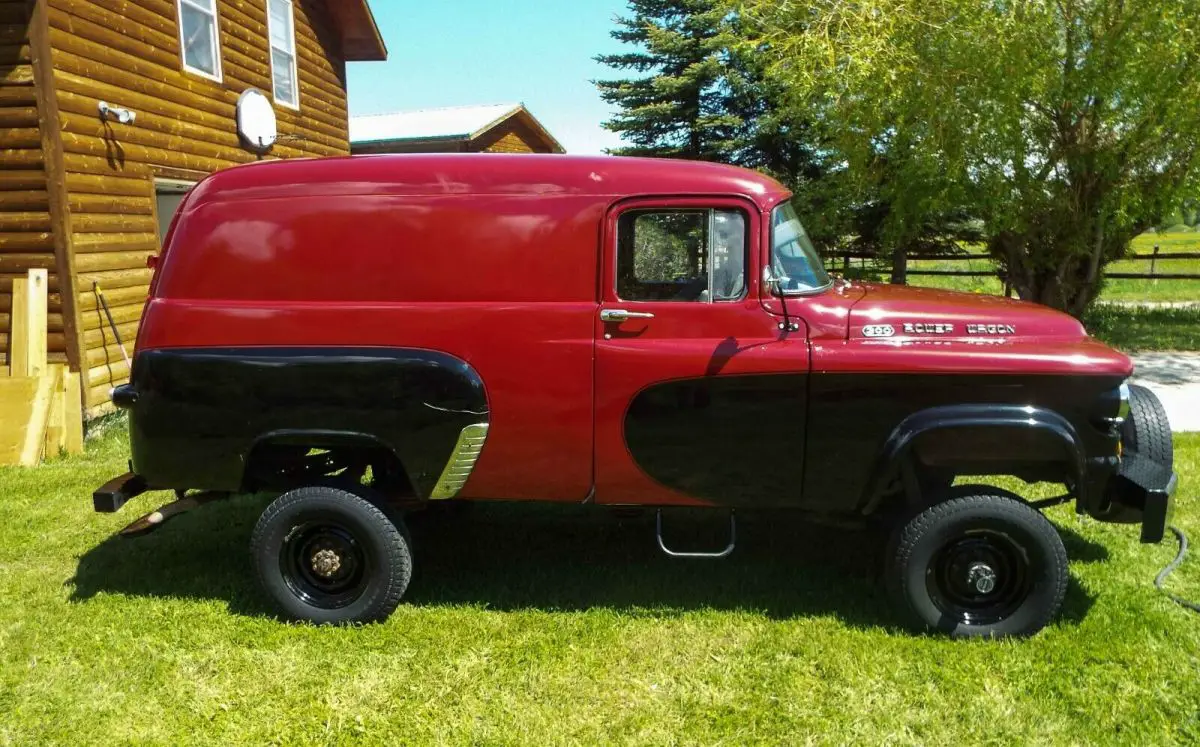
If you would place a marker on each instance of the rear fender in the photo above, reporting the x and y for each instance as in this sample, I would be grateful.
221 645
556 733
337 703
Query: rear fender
984 439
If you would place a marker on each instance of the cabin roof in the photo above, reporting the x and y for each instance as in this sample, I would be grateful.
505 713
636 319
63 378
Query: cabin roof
449 124
485 173
361 40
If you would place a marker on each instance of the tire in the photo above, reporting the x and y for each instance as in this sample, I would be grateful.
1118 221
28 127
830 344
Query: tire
331 557
940 561
1147 431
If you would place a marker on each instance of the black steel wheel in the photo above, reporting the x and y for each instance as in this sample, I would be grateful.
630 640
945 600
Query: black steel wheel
331 556
981 563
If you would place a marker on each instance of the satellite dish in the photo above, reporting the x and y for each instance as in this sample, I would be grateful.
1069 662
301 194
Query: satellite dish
256 120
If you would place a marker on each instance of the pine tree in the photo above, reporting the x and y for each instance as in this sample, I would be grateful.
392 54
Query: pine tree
703 94
675 109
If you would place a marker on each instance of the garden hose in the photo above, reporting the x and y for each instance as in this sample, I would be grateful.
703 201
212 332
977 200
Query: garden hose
1162 575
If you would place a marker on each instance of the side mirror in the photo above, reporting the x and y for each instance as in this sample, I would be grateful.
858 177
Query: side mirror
772 282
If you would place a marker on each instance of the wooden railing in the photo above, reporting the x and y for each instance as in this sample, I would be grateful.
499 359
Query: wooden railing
842 261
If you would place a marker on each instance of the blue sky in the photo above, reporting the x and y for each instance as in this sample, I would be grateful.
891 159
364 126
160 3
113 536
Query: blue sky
464 52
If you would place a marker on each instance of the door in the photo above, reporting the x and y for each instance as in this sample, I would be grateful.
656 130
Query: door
700 396
168 194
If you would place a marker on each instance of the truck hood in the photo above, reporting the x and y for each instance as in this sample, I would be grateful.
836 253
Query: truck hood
901 311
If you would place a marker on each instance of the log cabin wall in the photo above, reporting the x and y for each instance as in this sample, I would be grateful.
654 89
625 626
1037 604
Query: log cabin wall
127 53
510 136
26 240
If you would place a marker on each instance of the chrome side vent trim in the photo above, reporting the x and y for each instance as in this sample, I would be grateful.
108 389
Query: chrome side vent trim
462 461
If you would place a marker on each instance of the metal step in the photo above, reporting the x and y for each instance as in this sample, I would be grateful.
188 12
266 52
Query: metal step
708 555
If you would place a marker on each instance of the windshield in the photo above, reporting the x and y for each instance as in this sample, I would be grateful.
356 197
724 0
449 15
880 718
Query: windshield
794 259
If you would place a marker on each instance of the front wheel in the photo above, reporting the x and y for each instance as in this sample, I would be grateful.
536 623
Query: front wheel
330 556
980 564
1147 431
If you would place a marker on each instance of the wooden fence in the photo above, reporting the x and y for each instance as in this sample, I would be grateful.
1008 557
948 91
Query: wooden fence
1152 257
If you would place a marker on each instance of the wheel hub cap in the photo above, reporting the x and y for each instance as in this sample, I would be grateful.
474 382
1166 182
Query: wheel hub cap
326 563
982 577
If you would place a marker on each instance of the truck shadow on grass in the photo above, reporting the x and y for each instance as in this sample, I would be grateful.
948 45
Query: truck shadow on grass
554 558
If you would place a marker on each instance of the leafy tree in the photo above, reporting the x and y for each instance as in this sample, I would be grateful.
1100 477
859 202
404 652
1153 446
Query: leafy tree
1067 126
703 91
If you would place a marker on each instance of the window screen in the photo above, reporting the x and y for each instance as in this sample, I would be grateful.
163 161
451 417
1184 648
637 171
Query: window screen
283 53
198 38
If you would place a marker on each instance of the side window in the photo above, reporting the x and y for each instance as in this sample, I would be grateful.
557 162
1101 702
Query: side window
199 37
281 21
681 255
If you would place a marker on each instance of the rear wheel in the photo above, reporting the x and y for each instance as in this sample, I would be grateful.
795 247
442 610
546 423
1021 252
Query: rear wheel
980 564
331 556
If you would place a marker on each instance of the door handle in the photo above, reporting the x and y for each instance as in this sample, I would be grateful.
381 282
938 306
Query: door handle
620 315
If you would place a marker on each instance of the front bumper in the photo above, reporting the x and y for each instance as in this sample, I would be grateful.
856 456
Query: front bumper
1142 492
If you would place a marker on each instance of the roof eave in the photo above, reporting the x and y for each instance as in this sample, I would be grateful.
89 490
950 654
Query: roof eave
361 40
412 140
529 119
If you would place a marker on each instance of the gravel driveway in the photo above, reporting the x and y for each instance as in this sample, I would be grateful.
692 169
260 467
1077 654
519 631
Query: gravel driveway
1175 378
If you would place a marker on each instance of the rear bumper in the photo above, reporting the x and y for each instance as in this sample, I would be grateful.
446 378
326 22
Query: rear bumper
1143 491
109 497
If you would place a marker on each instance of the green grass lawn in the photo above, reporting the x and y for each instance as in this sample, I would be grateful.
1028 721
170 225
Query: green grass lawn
538 625
1115 290
1135 330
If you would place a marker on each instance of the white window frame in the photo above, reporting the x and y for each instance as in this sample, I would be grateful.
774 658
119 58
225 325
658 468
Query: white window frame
215 14
291 52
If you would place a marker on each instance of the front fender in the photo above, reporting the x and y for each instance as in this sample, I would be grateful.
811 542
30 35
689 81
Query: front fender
979 439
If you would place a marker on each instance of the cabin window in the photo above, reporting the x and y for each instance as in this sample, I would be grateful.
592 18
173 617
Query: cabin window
199 37
283 52
681 255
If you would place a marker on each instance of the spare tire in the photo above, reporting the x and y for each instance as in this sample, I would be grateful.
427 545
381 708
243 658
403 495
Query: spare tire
1146 430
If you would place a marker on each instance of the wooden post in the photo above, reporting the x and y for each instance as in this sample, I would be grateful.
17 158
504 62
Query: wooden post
1153 259
72 413
900 266
35 432
55 437
27 339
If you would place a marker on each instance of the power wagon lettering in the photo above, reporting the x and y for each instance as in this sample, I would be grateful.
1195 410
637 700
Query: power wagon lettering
927 328
991 329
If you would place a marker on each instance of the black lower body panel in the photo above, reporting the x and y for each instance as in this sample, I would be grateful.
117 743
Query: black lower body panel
196 415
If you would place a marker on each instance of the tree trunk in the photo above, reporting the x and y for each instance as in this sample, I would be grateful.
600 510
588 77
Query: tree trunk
1071 291
1070 288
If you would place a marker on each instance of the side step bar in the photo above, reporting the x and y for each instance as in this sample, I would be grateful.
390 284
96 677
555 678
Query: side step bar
709 555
